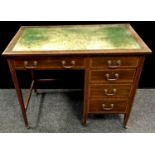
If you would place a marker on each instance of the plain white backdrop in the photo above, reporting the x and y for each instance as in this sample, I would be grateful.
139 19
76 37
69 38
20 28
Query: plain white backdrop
77 144
85 10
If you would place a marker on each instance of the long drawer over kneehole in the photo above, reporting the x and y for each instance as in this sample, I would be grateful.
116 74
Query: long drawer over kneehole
50 63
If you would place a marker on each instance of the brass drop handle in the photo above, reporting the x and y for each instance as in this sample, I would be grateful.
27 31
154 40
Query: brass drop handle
35 63
110 94
65 66
114 64
108 108
116 76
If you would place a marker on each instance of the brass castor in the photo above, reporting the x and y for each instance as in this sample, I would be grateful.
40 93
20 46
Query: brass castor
84 123
125 127
28 127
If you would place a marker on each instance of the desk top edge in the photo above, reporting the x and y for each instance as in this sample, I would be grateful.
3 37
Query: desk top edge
143 50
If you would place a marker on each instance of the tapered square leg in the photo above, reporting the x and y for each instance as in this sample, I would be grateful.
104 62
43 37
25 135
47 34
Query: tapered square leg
84 121
126 118
33 78
18 91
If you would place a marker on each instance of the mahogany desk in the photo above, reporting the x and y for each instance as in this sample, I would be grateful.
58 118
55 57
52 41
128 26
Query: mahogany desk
112 57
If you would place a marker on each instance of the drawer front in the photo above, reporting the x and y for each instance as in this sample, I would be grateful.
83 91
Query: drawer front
50 63
108 106
115 76
114 62
111 90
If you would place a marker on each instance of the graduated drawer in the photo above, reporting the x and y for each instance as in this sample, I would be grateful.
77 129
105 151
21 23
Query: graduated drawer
109 90
114 62
115 76
108 106
50 63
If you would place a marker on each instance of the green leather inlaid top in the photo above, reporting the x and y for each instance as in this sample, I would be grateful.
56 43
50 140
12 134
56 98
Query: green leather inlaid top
75 38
